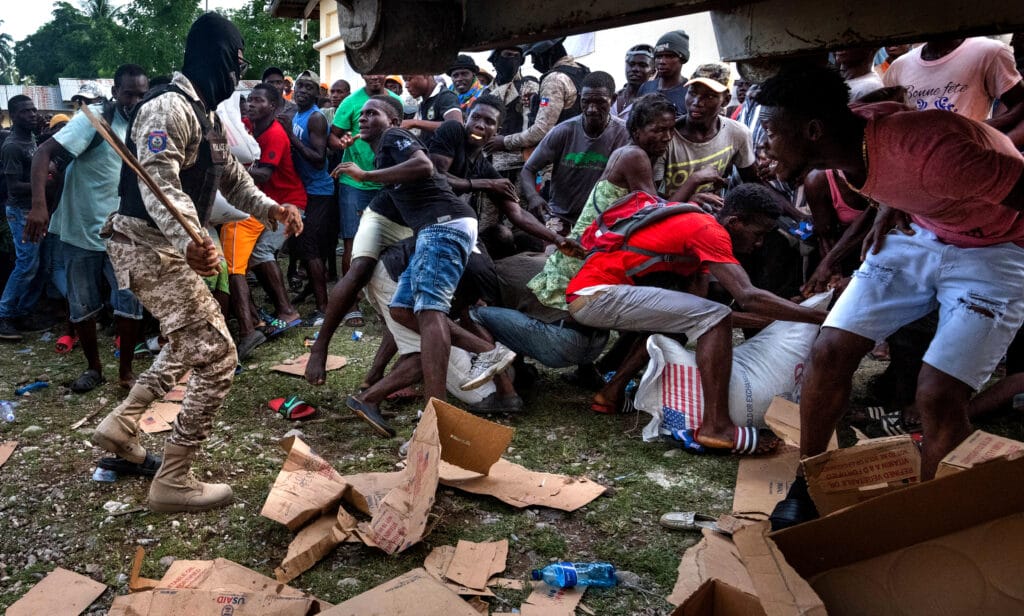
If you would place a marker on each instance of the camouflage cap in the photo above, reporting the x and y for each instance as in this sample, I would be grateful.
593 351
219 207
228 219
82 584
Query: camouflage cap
89 91
714 76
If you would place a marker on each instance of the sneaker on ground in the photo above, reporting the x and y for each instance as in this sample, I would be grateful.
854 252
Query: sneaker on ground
493 404
487 364
8 331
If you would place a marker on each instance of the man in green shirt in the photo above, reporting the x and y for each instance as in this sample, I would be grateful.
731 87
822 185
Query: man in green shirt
353 196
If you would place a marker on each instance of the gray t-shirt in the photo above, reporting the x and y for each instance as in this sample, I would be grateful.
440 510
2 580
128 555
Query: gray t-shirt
731 146
577 162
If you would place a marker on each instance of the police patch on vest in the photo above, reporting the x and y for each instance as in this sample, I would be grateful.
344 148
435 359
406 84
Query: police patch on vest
156 141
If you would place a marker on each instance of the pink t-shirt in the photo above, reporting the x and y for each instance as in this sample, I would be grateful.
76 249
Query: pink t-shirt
949 173
965 81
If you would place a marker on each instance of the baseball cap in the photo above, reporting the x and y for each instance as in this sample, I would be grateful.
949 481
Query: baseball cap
715 76
308 76
396 78
90 91
677 42
57 119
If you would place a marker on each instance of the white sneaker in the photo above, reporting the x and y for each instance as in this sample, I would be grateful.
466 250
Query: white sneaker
487 364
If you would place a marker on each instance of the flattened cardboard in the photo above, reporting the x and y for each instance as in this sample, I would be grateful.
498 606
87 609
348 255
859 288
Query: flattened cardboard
977 448
468 441
436 565
713 557
528 609
520 487
924 548
159 417
508 583
172 601
297 367
762 482
783 417
478 604
475 563
780 589
367 490
838 479
60 593
6 449
314 542
544 596
306 488
414 594
717 598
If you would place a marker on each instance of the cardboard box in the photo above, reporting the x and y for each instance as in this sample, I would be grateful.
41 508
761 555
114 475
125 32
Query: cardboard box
979 447
783 417
714 557
949 547
717 598
845 477
761 482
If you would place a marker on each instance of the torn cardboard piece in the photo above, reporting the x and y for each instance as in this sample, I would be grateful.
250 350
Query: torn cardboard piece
762 482
977 448
297 366
314 542
520 487
551 598
783 417
414 594
529 609
6 449
436 565
713 558
60 593
475 563
159 417
933 555
137 583
306 488
176 394
844 477
717 598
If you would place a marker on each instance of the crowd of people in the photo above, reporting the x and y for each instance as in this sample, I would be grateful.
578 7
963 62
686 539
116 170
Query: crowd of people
503 221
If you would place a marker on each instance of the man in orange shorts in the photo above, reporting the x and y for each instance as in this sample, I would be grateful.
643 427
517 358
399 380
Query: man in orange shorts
238 239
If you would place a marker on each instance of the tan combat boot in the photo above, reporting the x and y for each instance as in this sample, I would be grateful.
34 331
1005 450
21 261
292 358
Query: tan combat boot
175 488
118 433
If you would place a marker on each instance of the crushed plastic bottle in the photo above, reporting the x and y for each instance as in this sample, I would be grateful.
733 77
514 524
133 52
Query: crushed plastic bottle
104 475
568 575
7 410
357 335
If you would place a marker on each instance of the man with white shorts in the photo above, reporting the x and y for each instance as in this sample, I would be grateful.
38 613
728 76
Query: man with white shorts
949 235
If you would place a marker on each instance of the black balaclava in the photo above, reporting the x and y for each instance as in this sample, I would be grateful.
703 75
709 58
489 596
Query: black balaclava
505 69
211 57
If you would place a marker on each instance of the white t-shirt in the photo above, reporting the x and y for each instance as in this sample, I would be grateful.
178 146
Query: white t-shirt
965 81
865 84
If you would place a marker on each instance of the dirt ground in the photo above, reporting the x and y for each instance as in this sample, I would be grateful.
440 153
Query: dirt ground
52 514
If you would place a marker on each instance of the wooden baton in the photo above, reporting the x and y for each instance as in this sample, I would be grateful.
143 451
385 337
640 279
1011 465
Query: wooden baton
133 163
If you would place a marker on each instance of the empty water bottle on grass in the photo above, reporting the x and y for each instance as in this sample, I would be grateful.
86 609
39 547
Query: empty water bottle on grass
7 410
568 575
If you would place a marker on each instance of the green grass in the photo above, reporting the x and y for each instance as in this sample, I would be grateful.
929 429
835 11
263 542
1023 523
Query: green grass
48 501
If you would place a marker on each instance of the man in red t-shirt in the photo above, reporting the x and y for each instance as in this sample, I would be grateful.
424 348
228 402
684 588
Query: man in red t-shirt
275 175
954 190
605 294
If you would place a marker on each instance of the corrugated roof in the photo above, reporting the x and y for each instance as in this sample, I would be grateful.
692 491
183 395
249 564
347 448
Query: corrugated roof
45 97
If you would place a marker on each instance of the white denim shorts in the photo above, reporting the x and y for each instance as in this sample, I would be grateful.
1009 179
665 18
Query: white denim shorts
979 293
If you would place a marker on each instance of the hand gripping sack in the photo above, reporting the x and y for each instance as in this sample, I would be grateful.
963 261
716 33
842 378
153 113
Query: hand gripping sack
769 364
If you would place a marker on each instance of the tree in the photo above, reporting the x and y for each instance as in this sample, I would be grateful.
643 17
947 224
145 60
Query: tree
156 32
101 10
8 74
67 46
270 41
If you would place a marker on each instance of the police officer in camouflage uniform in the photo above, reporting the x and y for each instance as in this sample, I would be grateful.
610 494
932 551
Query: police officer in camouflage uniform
178 140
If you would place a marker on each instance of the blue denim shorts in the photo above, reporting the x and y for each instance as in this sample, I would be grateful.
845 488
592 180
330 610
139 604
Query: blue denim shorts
86 270
433 273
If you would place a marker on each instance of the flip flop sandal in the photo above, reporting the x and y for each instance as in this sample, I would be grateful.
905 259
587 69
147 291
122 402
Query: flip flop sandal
690 520
370 415
792 511
744 443
892 424
292 408
65 344
87 381
147 468
249 343
354 319
276 327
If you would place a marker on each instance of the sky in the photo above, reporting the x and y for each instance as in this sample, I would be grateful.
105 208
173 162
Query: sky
31 15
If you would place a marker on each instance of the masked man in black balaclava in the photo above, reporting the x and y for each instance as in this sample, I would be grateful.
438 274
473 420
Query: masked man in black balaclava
178 140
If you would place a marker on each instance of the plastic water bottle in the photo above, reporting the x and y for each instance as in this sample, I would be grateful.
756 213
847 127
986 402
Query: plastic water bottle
7 410
567 575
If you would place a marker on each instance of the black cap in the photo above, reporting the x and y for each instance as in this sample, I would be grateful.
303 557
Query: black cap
494 54
463 62
543 46
677 42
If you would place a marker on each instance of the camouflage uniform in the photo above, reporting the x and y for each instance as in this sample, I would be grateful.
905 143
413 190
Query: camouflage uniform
148 258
